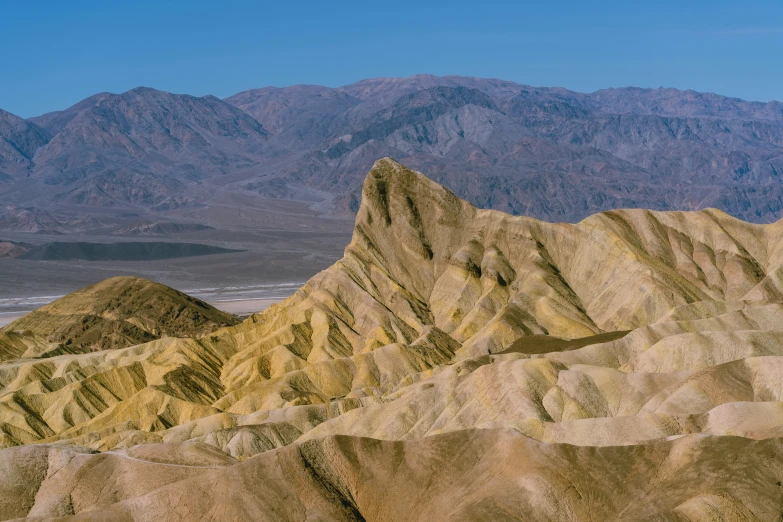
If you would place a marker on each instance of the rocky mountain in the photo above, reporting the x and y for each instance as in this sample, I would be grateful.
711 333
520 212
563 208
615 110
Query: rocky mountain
544 152
143 147
478 364
548 153
19 139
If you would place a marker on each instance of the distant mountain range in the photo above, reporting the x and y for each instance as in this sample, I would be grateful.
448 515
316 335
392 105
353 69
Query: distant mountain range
549 153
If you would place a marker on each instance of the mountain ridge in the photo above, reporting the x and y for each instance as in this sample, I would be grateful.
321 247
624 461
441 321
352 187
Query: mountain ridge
141 147
546 152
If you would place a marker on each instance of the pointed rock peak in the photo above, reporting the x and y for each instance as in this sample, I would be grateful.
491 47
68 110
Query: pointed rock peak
405 221
392 191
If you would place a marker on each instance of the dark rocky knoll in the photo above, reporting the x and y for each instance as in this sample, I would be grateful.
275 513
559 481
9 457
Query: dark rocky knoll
123 251
13 248
161 228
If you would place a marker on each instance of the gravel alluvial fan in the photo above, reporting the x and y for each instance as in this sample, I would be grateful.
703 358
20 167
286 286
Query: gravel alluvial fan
478 365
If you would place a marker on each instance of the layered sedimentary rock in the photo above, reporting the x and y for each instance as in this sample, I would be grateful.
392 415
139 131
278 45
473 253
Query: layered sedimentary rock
477 364
115 313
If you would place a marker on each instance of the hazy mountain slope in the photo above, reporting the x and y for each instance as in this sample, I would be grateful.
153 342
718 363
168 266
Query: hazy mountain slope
57 120
673 102
556 155
549 153
40 221
298 117
143 146
143 120
19 139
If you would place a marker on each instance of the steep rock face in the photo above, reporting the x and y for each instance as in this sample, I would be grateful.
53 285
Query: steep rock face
427 257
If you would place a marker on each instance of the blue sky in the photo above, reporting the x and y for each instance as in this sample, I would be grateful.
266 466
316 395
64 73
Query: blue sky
55 53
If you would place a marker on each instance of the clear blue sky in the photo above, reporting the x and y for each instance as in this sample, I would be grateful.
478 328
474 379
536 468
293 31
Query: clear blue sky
55 53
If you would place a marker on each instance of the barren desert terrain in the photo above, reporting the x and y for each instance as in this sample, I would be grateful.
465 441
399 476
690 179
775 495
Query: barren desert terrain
478 365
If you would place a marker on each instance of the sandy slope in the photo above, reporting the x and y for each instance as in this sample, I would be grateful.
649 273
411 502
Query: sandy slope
466 475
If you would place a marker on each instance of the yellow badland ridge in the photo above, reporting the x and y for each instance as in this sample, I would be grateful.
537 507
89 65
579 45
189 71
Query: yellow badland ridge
115 313
501 367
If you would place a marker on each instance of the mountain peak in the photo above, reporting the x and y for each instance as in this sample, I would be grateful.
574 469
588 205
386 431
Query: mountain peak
19 139
8 116
399 203
145 90
391 189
